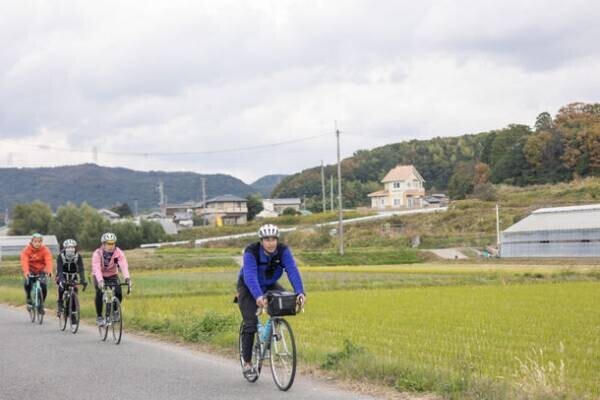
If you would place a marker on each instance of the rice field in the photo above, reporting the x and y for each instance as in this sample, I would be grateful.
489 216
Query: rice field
462 330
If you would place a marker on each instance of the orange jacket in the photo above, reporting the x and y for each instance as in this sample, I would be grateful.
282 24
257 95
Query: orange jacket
36 260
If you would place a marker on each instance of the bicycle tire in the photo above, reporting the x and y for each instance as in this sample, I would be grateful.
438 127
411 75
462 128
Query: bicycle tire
255 355
40 307
283 354
117 325
104 328
73 313
62 319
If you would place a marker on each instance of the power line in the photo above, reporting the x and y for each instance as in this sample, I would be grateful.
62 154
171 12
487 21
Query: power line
159 154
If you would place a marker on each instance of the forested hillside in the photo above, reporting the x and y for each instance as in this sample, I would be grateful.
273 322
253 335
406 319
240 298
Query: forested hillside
554 150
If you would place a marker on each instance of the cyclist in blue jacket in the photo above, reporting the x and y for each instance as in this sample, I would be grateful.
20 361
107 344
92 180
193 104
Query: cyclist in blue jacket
264 263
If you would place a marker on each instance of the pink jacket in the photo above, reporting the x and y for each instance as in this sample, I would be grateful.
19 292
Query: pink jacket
100 272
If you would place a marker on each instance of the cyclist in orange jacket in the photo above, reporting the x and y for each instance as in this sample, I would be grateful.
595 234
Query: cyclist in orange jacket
36 259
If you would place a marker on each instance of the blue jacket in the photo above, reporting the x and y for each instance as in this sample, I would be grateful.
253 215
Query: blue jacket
254 275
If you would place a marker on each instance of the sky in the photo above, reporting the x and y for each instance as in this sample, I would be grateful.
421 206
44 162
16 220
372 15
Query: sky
214 86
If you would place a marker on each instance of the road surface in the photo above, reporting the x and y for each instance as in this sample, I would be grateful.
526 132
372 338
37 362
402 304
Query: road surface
40 362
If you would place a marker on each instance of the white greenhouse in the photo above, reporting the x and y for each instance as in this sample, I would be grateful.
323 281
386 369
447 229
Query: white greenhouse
555 232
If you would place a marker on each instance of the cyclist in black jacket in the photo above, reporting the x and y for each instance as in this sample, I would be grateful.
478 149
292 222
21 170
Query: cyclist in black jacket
69 264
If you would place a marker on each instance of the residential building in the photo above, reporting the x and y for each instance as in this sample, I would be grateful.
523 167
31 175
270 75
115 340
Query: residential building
226 210
279 205
403 188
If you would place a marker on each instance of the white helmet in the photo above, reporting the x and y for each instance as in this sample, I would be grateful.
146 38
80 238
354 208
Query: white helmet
69 243
268 230
108 237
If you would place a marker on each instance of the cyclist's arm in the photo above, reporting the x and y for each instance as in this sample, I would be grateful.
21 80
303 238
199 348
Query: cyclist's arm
96 268
250 275
59 267
80 269
25 263
48 261
123 263
292 271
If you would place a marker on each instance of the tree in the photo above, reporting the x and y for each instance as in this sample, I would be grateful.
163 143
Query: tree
30 218
461 182
152 232
254 203
289 211
123 210
129 235
543 122
67 223
94 226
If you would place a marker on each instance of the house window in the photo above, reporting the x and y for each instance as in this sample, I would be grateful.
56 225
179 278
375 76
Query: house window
407 184
382 201
397 185
397 202
416 183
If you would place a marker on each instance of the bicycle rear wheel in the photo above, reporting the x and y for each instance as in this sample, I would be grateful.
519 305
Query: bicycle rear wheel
31 307
40 307
255 355
103 329
62 318
117 321
283 354
73 313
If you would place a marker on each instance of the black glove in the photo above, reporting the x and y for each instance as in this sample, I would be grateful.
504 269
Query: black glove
84 284
128 282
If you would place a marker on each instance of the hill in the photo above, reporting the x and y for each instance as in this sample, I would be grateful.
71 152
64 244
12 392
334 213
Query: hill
554 150
266 184
103 187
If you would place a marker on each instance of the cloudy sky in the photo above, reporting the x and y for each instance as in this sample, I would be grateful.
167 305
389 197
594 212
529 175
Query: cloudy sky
143 80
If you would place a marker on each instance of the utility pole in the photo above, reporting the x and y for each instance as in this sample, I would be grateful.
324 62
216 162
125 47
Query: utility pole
323 186
331 191
161 194
498 227
339 171
95 154
135 207
203 201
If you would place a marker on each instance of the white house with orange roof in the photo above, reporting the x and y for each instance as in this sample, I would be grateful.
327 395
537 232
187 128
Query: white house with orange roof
402 188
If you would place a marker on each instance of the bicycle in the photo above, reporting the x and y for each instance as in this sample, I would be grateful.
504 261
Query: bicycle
275 340
113 317
70 305
36 308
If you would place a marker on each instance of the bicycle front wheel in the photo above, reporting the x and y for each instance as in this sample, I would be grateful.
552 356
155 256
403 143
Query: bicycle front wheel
62 318
74 313
117 321
283 354
40 307
103 329
255 355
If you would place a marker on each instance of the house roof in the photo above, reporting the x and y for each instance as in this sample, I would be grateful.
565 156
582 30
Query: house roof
108 213
285 201
379 193
559 219
401 173
225 197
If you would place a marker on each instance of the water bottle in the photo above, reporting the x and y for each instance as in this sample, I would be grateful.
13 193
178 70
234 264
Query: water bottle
266 331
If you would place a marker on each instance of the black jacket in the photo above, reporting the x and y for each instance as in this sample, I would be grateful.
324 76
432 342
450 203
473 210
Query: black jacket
71 267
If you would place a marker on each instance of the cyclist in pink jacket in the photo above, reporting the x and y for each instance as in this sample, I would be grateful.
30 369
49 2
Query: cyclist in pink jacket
106 262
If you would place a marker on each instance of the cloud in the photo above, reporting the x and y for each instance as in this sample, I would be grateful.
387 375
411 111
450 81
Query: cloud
193 76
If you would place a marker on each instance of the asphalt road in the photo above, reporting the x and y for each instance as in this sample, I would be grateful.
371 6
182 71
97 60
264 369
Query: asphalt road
40 362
